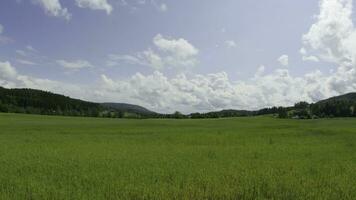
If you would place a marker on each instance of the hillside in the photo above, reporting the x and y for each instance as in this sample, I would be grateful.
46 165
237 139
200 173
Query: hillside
130 108
345 97
339 106
42 102
33 101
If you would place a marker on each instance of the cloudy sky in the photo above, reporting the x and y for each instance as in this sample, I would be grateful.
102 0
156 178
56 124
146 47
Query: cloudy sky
184 55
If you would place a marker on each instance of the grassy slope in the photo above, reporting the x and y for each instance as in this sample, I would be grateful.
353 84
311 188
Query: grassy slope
45 157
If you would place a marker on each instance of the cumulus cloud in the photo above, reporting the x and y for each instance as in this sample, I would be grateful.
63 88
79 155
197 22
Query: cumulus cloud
7 71
54 8
179 48
333 37
74 65
230 43
217 91
95 5
177 53
152 59
284 60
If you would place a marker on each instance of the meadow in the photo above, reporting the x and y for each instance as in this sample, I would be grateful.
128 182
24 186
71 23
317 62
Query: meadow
48 157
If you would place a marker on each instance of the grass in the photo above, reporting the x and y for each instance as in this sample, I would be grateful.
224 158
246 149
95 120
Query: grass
44 157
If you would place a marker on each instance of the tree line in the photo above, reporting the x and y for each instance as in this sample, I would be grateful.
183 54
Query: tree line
335 107
46 103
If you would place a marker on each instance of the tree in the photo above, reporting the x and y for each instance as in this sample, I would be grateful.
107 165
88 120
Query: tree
282 112
178 115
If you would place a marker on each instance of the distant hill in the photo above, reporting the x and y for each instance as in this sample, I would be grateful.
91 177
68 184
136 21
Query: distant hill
339 106
42 102
130 108
33 101
345 97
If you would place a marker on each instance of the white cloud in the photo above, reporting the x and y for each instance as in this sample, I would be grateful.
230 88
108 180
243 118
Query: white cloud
284 60
152 59
333 37
230 43
307 57
177 53
260 71
310 58
163 7
95 5
31 48
160 6
180 48
7 71
54 8
74 65
217 91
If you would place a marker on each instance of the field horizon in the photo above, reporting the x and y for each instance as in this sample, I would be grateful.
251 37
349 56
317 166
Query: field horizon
55 157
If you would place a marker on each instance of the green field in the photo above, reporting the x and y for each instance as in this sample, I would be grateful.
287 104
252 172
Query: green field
44 157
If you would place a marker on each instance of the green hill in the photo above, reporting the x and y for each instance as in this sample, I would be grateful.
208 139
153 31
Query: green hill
345 97
339 106
129 108
41 102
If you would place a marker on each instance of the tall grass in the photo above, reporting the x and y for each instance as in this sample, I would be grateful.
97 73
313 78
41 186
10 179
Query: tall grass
45 157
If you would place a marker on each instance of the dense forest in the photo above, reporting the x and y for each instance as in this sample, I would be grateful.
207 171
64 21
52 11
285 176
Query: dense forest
41 102
32 101
46 103
340 106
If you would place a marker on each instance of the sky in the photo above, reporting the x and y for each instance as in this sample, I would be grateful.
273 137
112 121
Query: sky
188 56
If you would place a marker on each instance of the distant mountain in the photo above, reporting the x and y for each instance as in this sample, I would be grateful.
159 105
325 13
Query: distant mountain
130 108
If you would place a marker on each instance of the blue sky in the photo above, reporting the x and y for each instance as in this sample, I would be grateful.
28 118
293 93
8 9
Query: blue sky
180 55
